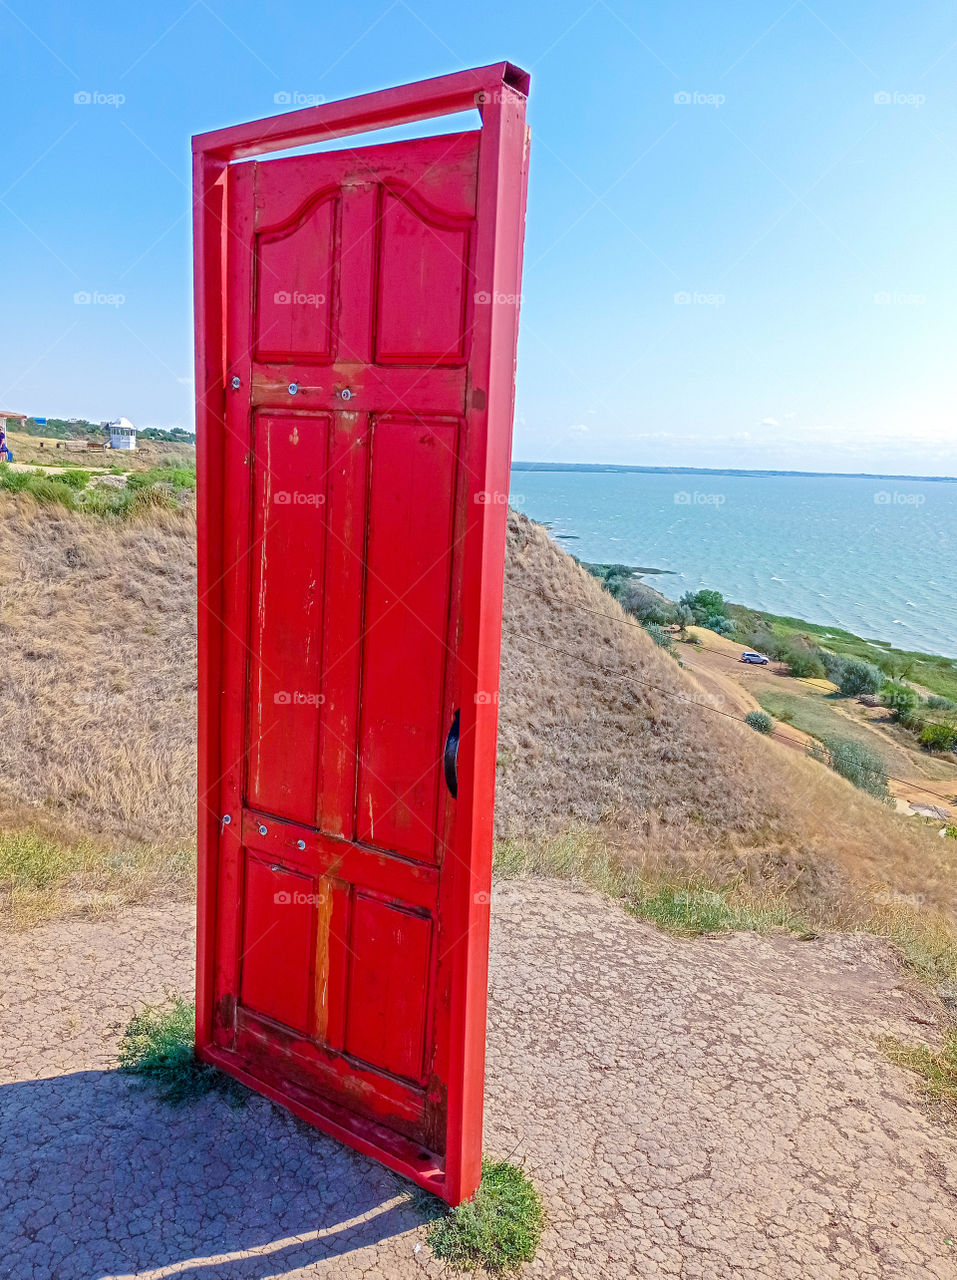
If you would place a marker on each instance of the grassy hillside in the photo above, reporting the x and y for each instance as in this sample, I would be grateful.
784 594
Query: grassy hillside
600 727
933 672
98 680
604 739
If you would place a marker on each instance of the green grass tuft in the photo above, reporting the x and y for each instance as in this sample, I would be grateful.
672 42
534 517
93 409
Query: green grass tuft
937 1068
158 1046
683 905
177 477
29 860
146 492
692 910
42 876
498 1229
926 946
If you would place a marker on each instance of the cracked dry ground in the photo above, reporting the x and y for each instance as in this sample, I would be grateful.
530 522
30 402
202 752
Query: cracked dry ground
708 1109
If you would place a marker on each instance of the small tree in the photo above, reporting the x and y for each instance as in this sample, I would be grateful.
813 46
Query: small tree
711 601
705 605
684 617
804 663
860 677
760 721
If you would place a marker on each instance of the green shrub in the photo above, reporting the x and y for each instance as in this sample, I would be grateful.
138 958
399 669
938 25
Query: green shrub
939 737
803 662
176 477
904 703
13 481
760 721
860 677
857 763
650 613
44 488
691 910
719 624
104 502
158 1045
708 609
53 492
684 617
661 637
937 703
157 497
833 665
76 478
643 602
498 1229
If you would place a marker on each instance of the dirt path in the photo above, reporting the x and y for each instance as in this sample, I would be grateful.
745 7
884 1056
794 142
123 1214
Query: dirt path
715 1110
733 686
727 686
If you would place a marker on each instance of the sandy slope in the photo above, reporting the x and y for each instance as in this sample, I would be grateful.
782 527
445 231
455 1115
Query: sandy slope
733 686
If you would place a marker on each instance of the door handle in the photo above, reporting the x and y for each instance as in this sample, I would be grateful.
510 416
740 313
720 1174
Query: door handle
450 758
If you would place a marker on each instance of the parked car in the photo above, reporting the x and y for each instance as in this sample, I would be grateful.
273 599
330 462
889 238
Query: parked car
759 658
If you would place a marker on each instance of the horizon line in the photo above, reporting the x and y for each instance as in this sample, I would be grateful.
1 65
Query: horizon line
720 471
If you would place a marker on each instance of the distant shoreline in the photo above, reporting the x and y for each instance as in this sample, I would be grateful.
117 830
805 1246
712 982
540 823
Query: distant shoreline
719 471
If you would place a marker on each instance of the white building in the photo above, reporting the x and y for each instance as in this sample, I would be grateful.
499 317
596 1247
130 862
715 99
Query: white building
122 434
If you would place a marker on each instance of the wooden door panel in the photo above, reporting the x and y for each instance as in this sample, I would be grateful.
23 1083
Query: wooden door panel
295 269
423 283
278 940
347 484
388 993
405 629
285 695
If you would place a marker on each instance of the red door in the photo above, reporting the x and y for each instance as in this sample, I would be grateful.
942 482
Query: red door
360 310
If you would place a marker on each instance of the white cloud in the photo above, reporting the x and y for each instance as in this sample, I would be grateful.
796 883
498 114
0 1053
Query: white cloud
770 422
579 426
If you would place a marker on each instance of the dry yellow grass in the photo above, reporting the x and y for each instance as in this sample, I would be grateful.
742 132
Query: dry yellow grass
600 730
98 675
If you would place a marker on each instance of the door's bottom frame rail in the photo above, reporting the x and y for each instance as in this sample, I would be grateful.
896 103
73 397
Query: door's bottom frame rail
403 1156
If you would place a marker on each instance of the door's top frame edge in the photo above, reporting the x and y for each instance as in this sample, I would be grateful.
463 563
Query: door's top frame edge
385 108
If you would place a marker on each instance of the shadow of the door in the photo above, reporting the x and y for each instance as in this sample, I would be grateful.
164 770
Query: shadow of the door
98 1178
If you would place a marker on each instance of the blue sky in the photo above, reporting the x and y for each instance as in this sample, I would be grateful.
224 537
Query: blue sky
740 235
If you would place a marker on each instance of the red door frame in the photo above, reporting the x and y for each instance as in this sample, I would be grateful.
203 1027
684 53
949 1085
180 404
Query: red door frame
499 92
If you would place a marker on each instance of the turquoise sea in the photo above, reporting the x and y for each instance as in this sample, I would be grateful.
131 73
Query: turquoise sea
874 556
